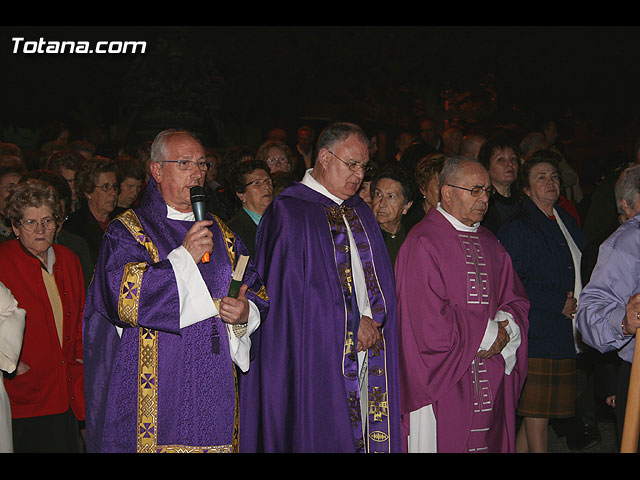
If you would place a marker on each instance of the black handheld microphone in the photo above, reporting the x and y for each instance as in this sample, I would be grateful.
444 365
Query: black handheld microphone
198 203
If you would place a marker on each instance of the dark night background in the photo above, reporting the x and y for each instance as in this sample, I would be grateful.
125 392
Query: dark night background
231 84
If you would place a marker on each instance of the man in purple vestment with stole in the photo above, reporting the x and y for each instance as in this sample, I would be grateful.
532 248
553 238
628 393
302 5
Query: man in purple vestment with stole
325 373
161 337
462 314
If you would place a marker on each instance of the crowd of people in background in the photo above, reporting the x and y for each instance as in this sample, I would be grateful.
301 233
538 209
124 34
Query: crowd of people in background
533 208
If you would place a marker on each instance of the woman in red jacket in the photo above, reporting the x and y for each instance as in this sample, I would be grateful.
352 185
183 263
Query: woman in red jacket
47 390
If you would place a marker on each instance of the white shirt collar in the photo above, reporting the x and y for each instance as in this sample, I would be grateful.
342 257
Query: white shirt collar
314 184
51 259
457 224
174 214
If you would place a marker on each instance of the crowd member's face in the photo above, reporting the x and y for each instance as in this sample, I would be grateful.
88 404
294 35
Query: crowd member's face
175 184
64 135
7 183
544 184
365 192
129 190
503 167
337 177
213 171
461 203
257 196
389 204
431 192
305 138
36 239
277 160
428 132
551 133
70 176
104 197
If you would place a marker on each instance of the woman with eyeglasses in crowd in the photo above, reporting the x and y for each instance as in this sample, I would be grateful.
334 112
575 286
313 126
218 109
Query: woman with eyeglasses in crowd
252 183
277 155
46 390
98 185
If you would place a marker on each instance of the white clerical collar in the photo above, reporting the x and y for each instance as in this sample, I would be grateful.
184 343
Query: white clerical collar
457 224
314 184
174 214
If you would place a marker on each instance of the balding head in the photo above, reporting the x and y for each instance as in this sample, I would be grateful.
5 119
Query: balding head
531 143
451 138
470 145
459 176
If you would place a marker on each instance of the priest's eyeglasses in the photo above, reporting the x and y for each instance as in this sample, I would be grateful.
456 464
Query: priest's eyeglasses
477 190
354 166
32 225
190 164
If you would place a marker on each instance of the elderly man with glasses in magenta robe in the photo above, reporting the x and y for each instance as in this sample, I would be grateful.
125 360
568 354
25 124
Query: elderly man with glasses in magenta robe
462 314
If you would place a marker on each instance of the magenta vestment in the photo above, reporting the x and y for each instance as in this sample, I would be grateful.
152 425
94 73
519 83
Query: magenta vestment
449 284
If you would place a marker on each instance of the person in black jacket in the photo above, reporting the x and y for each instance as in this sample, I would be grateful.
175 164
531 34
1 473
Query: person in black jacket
98 184
501 157
253 186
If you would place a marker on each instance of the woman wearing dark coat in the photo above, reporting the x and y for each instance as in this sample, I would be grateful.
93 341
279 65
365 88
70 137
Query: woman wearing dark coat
501 157
253 187
545 245
98 185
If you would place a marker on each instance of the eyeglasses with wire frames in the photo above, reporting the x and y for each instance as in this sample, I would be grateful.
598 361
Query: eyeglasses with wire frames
260 182
277 161
107 187
477 190
31 225
190 164
354 166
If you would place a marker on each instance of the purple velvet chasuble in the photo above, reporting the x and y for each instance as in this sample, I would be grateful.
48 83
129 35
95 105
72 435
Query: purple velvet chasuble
301 393
449 284
159 388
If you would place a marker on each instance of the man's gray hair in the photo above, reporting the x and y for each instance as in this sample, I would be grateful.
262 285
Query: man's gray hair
532 142
451 169
338 132
628 187
159 145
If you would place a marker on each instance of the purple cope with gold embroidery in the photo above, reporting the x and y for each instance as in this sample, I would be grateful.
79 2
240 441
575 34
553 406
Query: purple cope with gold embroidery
301 393
158 388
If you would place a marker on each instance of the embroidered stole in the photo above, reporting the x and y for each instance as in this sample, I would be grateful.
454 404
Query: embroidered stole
373 434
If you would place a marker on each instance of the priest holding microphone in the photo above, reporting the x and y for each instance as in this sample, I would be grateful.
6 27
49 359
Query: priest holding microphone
162 334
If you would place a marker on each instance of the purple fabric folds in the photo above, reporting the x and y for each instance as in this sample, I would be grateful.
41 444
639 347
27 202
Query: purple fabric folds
195 404
298 395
